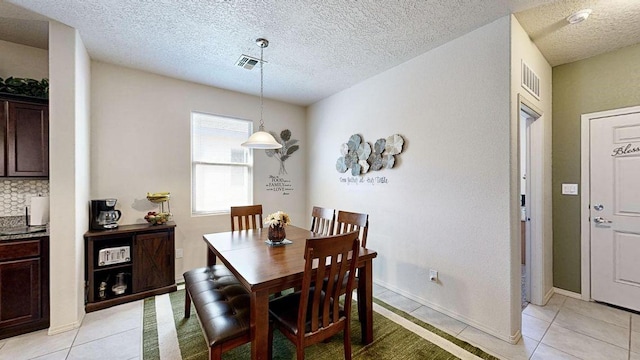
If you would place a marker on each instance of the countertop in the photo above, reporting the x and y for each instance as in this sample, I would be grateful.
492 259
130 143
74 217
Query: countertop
24 236
17 221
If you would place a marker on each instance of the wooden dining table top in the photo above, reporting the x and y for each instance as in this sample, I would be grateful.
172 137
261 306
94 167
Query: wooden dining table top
259 265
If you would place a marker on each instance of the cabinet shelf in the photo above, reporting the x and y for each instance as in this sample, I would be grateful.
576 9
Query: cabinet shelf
128 264
151 270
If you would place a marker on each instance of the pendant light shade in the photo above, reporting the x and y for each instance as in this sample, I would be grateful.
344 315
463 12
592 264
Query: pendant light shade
261 139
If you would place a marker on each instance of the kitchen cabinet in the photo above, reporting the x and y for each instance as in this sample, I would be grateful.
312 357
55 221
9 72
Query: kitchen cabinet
24 285
24 137
128 263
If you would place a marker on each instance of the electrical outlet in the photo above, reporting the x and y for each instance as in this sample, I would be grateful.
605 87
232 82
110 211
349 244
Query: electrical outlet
433 275
179 253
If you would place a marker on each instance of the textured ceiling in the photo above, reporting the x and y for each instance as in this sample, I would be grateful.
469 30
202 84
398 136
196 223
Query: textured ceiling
613 24
318 47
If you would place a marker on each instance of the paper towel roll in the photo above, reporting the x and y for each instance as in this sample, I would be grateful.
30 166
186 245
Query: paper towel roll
39 210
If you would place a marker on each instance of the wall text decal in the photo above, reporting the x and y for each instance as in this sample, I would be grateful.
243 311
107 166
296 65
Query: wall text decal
625 150
279 184
365 180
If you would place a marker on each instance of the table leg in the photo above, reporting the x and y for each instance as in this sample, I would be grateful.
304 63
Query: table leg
259 325
211 258
365 301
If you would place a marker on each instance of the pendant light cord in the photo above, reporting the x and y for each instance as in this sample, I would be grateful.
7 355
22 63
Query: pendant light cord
261 88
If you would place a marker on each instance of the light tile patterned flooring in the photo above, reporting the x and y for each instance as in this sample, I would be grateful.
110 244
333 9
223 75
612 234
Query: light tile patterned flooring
565 328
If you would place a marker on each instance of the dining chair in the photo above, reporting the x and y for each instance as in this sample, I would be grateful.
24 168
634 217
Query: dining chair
246 217
322 220
312 314
349 221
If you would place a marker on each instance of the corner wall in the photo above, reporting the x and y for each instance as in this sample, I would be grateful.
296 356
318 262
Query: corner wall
603 82
141 142
446 204
68 174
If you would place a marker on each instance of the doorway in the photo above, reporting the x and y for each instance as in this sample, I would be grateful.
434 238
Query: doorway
527 117
535 242
610 207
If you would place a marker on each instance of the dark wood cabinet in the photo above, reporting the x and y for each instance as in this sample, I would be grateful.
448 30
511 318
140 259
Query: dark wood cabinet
140 256
154 265
24 138
24 285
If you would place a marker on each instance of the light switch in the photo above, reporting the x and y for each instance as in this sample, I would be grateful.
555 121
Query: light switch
569 189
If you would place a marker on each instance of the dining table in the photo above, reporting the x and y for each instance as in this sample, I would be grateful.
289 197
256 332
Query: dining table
265 269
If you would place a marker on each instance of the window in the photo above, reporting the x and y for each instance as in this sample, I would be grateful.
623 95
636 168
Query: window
220 167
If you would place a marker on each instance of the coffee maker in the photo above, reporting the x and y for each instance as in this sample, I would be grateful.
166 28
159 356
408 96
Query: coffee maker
103 215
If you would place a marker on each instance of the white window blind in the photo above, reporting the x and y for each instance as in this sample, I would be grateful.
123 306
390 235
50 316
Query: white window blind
221 168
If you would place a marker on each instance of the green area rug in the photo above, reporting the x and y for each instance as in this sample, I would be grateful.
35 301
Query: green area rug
391 340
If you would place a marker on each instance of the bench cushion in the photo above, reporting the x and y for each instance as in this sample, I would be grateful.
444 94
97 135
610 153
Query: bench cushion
222 303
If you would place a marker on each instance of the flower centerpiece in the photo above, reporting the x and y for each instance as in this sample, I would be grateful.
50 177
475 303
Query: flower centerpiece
277 222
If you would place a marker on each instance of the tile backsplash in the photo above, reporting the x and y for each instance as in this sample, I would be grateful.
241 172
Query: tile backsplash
15 194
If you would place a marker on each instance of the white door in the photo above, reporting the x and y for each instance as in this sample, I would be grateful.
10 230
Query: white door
615 209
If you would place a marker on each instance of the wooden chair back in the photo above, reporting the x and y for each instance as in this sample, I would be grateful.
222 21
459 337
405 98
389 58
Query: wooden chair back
322 308
246 217
349 221
322 220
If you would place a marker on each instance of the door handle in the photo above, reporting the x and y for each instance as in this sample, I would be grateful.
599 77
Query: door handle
601 220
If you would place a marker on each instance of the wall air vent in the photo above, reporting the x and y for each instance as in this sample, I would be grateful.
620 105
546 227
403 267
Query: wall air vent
247 62
530 81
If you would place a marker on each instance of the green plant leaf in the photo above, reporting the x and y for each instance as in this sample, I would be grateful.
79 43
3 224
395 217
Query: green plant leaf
288 143
292 149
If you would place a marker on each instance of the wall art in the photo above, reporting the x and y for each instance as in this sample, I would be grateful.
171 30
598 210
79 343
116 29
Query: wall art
288 147
361 157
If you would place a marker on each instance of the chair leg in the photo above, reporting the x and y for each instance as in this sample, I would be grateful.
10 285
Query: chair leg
270 353
361 305
300 351
215 353
187 304
347 341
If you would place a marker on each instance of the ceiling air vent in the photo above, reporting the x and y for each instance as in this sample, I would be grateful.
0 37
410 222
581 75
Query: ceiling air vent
530 81
247 62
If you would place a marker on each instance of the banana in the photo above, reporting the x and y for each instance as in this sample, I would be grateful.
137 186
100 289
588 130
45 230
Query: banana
158 194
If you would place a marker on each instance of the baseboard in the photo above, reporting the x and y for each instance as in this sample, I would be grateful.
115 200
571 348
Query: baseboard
512 339
548 296
64 328
567 293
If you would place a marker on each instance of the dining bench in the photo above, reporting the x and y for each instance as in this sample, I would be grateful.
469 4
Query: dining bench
222 305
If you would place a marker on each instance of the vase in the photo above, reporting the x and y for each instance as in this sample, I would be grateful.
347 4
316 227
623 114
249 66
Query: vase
276 233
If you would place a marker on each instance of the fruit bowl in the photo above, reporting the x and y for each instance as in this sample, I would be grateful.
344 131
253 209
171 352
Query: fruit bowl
158 197
157 218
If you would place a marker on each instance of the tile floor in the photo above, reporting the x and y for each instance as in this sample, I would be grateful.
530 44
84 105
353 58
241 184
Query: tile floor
565 328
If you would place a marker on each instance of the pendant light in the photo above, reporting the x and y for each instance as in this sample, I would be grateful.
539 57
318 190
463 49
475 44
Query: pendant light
261 139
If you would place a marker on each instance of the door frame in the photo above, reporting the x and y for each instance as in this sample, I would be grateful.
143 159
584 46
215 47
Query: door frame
535 228
585 197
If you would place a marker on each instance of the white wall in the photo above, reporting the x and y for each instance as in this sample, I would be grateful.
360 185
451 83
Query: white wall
68 174
446 205
21 61
140 142
539 175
